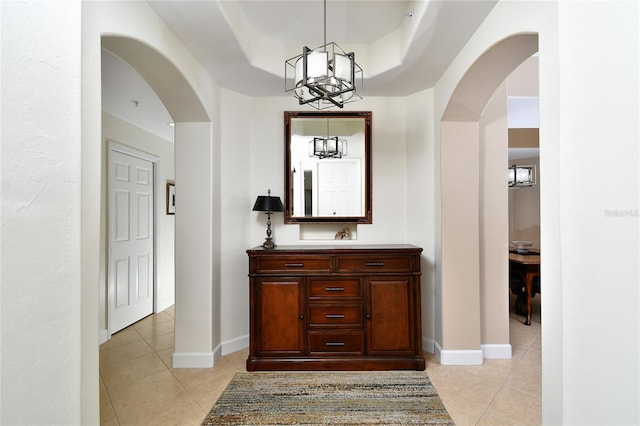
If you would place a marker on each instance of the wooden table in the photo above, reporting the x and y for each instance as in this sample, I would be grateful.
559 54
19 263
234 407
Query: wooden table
528 267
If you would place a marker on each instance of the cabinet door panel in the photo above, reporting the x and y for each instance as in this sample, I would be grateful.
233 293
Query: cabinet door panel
390 316
280 328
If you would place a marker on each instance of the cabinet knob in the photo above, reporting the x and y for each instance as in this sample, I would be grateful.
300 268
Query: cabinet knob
368 316
301 316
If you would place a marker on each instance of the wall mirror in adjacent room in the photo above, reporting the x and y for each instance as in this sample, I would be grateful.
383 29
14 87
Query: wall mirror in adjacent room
327 167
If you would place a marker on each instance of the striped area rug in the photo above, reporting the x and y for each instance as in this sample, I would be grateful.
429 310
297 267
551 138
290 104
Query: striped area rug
329 398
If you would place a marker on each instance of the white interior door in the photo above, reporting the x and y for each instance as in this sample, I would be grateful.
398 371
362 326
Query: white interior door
339 188
130 274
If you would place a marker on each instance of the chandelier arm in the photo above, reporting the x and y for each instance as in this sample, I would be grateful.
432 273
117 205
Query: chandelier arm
352 56
320 96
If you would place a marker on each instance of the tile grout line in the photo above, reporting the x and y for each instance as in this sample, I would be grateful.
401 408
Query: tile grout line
518 363
171 369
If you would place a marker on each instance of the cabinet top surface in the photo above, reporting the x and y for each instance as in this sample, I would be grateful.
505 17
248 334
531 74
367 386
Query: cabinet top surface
335 248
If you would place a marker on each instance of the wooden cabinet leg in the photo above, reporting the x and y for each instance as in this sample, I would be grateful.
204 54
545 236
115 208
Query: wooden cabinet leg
528 285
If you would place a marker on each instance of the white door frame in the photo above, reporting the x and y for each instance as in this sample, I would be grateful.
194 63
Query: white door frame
125 149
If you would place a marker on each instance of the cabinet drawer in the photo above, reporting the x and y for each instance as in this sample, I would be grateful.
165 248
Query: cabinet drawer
344 288
349 342
293 264
335 316
375 264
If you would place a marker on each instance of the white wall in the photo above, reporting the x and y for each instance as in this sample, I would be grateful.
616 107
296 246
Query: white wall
43 379
420 189
122 132
235 216
598 174
197 312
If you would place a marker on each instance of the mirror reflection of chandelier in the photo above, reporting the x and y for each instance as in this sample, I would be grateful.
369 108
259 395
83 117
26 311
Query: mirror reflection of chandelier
323 77
327 146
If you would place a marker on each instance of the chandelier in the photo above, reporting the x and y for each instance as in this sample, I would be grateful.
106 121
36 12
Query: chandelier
323 77
327 146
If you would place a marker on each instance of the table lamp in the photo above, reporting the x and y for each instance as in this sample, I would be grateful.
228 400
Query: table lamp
268 204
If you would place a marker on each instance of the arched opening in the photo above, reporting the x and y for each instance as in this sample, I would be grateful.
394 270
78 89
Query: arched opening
193 152
474 321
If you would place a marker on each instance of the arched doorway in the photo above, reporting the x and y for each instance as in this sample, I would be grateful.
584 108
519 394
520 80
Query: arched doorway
470 329
193 219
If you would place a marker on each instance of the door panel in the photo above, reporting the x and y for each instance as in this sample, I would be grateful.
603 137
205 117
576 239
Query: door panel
391 312
122 282
143 216
130 292
280 308
121 228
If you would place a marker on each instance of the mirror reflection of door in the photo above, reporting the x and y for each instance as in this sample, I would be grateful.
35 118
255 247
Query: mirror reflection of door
339 188
328 188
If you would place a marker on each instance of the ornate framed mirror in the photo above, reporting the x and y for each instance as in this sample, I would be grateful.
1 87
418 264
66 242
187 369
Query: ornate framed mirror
327 167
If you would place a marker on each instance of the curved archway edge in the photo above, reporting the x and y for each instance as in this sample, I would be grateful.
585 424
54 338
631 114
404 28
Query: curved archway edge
485 75
163 76
462 323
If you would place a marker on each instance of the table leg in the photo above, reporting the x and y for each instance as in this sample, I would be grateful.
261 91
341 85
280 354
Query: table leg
528 285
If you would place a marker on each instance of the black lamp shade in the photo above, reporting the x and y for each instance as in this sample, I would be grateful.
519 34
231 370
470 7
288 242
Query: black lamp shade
267 203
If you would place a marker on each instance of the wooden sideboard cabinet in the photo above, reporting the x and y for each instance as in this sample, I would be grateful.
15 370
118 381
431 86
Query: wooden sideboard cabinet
335 308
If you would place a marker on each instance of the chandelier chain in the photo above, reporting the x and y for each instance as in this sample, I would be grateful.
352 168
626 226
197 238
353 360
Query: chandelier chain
325 23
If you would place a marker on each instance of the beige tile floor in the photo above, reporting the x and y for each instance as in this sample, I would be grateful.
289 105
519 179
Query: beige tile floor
139 387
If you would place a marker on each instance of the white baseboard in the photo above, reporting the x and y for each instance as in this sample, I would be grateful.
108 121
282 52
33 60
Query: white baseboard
496 351
195 359
458 357
234 345
428 345
103 336
217 354
161 305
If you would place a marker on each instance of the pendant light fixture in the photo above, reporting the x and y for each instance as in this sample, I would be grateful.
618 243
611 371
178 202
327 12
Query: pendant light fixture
323 77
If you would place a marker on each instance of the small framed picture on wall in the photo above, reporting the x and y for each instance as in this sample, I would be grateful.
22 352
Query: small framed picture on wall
171 197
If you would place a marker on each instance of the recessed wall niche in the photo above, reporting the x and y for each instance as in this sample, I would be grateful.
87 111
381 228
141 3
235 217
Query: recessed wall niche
337 232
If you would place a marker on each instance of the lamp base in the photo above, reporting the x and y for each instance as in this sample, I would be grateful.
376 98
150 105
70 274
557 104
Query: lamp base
268 243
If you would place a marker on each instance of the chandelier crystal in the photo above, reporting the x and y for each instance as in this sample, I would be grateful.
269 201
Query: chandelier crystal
323 77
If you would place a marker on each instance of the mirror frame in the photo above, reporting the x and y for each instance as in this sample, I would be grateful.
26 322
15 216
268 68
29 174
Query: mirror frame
288 178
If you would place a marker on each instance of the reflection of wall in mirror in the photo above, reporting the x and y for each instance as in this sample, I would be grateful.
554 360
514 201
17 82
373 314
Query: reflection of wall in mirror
327 187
